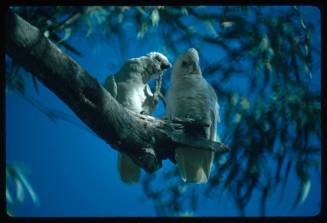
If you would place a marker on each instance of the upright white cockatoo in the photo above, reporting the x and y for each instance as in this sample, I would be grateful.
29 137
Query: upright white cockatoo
130 88
191 96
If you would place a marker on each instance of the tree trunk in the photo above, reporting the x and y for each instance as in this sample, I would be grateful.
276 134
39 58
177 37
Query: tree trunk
145 139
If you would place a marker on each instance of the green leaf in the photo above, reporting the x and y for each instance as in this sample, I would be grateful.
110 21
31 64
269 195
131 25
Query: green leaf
142 31
245 104
46 33
237 118
140 9
28 187
303 192
9 198
155 17
184 11
234 99
20 192
89 27
120 18
68 33
266 126
227 24
211 28
10 212
264 44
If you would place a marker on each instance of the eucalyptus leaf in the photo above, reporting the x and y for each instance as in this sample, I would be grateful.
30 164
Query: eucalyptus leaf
303 193
89 27
28 187
67 34
9 198
20 190
155 17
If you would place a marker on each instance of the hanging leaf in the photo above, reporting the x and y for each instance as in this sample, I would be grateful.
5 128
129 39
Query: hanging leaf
303 192
68 33
142 31
227 24
140 9
89 27
155 17
28 187
46 33
211 28
307 70
120 18
184 11
101 15
9 198
237 118
21 185
264 44
234 99
245 104
20 192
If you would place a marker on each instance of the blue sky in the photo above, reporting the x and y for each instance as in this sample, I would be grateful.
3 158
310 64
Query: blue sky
74 172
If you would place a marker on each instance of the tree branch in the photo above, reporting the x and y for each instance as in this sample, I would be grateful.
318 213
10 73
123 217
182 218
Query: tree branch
145 139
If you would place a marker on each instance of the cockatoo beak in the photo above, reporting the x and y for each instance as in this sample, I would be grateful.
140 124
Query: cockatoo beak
165 66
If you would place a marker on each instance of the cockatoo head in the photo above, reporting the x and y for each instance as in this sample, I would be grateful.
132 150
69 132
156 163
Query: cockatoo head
187 64
157 64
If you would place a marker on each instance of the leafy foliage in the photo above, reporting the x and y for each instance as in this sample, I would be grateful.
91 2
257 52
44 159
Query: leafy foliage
271 122
15 177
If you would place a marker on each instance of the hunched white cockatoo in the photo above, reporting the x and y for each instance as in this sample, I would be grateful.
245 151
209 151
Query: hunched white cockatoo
130 88
190 96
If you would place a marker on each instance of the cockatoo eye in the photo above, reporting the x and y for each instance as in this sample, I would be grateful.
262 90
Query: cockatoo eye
185 63
158 58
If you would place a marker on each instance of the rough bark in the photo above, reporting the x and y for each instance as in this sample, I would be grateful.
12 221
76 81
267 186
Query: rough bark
146 139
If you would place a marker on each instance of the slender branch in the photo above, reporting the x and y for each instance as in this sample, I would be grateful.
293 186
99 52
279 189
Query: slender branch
145 139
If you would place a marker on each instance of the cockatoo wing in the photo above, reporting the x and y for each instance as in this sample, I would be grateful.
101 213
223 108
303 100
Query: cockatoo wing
214 115
194 164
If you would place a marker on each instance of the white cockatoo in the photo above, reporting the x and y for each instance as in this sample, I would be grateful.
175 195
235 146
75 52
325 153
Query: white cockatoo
130 88
190 96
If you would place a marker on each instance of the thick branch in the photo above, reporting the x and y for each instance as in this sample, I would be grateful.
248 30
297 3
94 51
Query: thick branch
146 139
